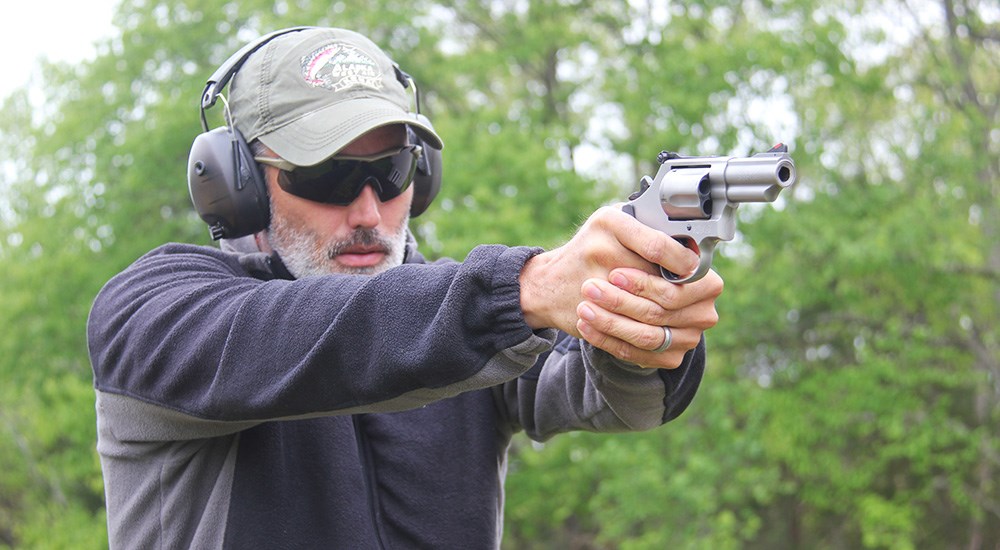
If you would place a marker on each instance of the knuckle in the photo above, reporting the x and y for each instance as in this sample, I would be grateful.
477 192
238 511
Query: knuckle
603 217
709 318
603 252
673 360
715 284
654 314
669 292
689 342
623 351
605 324
653 251
713 318
699 320
615 301
651 340
638 283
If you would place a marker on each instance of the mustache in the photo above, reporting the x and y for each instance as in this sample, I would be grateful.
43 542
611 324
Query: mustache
368 238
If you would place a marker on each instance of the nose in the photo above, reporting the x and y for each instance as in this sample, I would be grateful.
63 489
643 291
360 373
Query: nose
364 211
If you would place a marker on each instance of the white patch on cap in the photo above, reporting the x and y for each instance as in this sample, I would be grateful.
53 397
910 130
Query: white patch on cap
339 67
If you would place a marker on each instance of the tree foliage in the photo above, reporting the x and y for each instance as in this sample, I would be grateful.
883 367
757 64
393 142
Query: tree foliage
853 392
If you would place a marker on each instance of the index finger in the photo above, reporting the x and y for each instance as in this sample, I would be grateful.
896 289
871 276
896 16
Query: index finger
655 246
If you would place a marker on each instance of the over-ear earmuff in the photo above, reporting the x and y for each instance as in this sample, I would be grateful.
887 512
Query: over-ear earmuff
227 186
427 181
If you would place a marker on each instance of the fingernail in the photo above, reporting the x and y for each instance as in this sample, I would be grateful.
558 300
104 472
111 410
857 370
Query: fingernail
619 280
590 290
586 313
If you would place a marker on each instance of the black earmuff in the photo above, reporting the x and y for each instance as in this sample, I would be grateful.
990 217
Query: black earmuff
427 181
227 186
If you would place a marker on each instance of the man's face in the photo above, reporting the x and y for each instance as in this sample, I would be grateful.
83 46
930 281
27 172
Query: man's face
365 237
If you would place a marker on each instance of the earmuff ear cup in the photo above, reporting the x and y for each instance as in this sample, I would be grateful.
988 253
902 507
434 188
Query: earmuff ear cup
427 181
226 185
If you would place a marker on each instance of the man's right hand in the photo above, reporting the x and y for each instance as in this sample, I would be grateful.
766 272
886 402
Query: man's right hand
552 282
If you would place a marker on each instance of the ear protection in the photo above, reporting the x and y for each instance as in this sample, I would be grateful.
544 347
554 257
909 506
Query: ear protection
227 186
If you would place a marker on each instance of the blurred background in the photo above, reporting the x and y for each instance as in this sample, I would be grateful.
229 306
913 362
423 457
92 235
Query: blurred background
852 397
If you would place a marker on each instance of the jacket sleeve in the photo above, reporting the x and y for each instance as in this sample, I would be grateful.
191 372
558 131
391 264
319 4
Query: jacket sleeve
579 387
187 332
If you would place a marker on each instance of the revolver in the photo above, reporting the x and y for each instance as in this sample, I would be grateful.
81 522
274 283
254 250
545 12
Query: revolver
694 199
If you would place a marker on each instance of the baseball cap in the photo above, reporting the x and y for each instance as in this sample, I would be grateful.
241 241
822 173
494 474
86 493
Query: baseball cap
309 93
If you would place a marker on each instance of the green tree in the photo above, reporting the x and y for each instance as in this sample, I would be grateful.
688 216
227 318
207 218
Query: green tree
882 357
851 398
852 395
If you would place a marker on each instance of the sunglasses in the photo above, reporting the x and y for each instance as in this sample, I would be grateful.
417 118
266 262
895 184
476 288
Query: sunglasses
340 179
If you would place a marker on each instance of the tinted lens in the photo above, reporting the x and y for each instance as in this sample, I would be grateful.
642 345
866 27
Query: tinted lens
340 181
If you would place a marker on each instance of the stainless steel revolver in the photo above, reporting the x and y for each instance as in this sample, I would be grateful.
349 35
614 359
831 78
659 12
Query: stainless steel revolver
694 199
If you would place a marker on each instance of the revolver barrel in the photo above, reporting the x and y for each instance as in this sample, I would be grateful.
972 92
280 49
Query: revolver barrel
758 178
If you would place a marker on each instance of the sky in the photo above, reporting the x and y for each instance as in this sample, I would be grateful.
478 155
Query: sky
60 30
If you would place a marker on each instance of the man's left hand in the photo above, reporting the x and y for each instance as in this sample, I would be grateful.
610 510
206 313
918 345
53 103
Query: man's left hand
625 315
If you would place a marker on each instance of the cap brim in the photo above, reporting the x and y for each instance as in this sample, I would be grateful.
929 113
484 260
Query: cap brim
319 135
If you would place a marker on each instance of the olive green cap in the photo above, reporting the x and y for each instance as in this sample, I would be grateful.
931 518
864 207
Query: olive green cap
309 93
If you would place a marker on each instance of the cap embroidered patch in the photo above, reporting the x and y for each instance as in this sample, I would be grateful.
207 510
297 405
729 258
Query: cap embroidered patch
339 67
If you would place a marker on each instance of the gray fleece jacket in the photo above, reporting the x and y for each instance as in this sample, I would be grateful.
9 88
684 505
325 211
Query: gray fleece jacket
239 408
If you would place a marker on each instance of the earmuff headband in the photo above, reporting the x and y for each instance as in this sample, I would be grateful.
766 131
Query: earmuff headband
221 77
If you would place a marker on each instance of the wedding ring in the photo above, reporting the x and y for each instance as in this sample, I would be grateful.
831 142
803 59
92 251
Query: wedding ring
667 339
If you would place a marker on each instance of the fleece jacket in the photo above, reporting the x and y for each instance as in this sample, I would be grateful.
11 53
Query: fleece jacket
238 407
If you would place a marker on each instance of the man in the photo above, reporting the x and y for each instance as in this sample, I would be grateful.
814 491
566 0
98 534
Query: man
327 387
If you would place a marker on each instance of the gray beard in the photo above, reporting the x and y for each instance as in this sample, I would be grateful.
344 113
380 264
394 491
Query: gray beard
305 256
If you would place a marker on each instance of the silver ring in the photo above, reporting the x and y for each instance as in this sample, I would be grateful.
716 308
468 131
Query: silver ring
668 338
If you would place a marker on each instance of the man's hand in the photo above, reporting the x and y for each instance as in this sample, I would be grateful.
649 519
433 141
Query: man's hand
627 319
624 315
